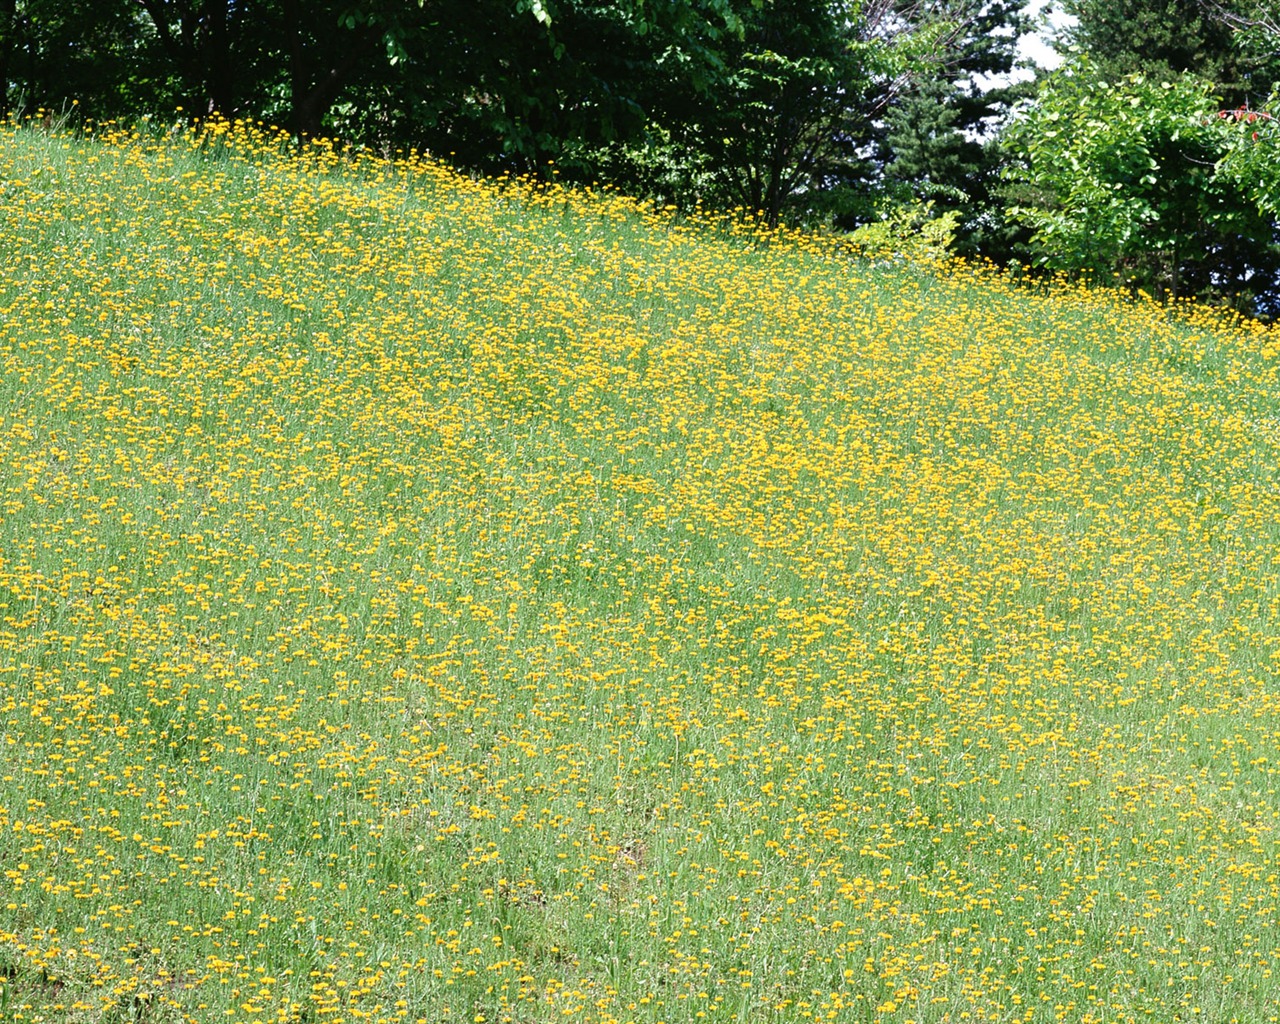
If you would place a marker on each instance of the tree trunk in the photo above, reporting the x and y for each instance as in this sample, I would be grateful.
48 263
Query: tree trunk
314 90
219 76
200 51
180 48
779 156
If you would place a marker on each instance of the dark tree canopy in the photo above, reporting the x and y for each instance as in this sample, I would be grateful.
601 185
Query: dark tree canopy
1160 37
768 105
1217 41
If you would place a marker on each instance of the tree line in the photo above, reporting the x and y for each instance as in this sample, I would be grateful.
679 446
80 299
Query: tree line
836 112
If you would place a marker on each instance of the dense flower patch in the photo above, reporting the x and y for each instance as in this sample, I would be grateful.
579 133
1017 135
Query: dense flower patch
425 599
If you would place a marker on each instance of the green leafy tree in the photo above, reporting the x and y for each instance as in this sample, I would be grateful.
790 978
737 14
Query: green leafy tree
287 61
793 107
1162 38
1252 157
1121 179
780 118
1253 15
939 143
1216 40
126 58
581 83
1255 25
202 43
56 53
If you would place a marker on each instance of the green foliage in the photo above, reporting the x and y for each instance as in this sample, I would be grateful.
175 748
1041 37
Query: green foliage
788 111
1252 158
937 142
914 230
783 122
1120 179
1223 41
1258 20
502 95
1163 38
60 54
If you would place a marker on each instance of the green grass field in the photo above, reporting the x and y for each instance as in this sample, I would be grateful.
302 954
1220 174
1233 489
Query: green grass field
430 600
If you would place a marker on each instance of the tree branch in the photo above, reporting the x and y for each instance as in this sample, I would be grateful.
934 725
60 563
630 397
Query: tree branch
155 11
1260 19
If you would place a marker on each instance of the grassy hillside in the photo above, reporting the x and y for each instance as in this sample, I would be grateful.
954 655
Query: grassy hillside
428 600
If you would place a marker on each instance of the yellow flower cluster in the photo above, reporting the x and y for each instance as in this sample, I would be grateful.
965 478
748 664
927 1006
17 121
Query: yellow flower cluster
424 599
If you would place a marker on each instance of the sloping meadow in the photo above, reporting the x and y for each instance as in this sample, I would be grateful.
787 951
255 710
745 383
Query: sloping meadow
425 599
